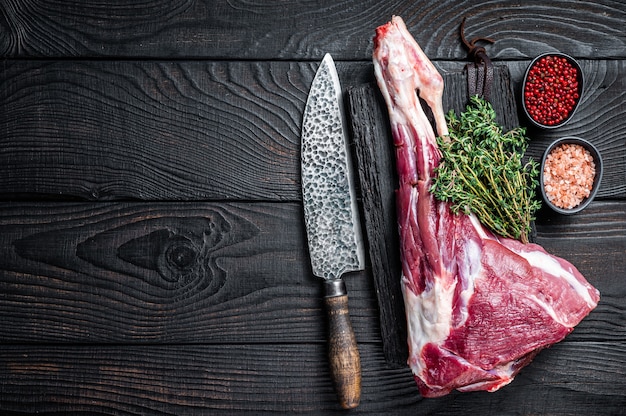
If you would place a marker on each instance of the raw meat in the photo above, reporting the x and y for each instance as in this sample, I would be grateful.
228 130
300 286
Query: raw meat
479 307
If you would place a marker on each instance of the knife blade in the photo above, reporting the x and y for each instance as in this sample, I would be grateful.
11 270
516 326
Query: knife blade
332 221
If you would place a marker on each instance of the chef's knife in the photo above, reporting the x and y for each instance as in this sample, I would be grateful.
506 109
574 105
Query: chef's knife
332 221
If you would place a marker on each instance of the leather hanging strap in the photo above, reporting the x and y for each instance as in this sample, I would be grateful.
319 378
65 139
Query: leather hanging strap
480 72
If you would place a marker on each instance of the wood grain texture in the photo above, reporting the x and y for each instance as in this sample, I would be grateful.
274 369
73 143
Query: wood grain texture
571 378
374 156
147 130
166 273
177 282
343 352
219 273
100 130
303 30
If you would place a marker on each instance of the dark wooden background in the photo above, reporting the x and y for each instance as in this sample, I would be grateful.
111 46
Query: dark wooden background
152 252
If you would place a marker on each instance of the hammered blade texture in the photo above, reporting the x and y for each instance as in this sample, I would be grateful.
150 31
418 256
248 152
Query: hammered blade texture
330 214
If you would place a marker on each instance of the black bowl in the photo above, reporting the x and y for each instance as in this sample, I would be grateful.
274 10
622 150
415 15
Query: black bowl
596 180
526 106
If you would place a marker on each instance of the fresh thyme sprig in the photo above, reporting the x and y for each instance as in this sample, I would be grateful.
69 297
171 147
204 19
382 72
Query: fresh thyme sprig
482 171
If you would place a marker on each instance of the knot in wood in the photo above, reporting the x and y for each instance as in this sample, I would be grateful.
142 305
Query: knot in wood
178 258
181 254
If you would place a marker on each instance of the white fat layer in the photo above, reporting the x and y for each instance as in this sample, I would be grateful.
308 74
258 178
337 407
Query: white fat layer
429 316
479 227
549 310
504 380
470 268
548 264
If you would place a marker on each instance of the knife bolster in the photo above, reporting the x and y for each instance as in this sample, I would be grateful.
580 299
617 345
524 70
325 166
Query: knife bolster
334 288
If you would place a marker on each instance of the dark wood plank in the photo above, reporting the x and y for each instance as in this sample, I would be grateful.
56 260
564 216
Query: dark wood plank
374 156
148 273
188 130
296 30
224 273
571 378
148 130
206 304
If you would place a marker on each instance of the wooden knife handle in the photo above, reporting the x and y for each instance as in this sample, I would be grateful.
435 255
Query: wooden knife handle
343 352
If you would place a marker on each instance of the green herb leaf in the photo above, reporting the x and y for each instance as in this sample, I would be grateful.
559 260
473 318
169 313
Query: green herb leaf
482 171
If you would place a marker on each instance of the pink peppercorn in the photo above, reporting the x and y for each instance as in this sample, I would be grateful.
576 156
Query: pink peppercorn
551 90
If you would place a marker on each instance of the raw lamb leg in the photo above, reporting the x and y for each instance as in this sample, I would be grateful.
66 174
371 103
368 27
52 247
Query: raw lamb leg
479 307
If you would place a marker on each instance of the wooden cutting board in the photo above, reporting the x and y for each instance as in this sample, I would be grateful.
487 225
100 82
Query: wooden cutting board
374 154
